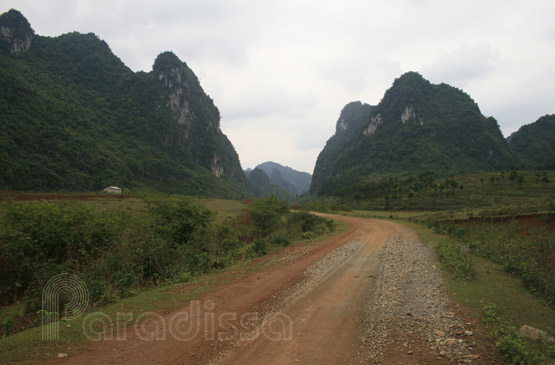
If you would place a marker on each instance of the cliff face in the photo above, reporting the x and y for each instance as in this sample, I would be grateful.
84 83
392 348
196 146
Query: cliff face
76 118
197 116
15 31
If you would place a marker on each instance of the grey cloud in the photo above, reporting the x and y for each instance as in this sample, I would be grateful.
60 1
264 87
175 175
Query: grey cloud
465 64
288 67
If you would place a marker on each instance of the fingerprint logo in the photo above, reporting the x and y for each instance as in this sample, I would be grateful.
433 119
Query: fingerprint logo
51 292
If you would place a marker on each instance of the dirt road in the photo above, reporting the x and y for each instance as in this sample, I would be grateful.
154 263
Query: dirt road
318 304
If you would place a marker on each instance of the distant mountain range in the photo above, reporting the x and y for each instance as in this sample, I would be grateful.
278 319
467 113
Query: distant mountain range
74 117
272 178
296 182
419 126
260 185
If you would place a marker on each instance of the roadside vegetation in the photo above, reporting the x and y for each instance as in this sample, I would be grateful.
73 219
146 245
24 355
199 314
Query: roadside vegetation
502 272
494 234
122 248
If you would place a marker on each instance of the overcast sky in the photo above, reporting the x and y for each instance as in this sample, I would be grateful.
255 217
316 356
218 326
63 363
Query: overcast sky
280 71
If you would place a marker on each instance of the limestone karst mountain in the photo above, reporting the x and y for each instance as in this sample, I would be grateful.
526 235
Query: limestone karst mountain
417 126
74 117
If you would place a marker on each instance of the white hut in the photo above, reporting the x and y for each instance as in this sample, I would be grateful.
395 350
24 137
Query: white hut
112 190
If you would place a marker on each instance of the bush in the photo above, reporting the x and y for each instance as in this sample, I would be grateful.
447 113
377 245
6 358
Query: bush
303 222
8 324
115 253
281 241
260 247
455 260
490 313
267 213
514 348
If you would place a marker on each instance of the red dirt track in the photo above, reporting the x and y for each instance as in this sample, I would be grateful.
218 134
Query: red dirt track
324 322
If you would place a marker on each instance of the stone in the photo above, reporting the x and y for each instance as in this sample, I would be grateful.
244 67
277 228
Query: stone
468 333
451 342
535 334
439 333
61 355
471 357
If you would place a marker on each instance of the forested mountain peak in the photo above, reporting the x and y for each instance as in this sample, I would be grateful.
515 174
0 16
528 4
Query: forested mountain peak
535 142
75 117
411 79
417 126
350 119
16 33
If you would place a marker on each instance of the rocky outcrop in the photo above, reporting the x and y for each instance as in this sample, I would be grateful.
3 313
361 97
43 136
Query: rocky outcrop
217 166
197 117
348 128
375 121
410 115
16 32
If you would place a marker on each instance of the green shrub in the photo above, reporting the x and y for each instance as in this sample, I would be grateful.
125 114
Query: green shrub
455 260
490 313
8 323
267 213
514 348
308 224
115 253
260 246
281 241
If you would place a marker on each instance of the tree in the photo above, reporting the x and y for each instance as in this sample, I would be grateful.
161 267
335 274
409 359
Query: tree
267 213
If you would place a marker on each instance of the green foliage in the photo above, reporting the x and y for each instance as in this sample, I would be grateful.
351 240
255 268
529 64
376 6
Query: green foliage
39 239
118 251
536 142
514 348
510 343
75 118
306 222
523 251
8 325
267 214
454 259
490 313
443 130
494 191
112 251
179 221
260 246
